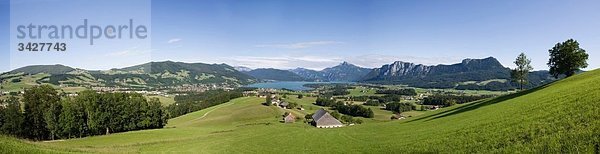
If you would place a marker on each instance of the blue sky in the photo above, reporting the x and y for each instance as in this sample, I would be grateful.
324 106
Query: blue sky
319 34
4 35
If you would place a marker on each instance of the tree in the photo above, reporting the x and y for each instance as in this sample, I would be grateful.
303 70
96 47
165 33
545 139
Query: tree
292 105
268 100
158 117
51 116
68 120
13 118
300 96
370 113
347 119
519 74
567 58
37 101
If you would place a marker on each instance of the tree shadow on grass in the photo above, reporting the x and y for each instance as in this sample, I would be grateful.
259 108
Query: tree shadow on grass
478 104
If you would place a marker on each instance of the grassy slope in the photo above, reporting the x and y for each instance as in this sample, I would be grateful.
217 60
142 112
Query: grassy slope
558 118
12 145
27 81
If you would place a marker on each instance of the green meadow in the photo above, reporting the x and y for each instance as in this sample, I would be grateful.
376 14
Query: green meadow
164 100
557 118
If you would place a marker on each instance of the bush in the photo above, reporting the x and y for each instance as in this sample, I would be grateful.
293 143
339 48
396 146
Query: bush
324 102
372 102
349 120
292 105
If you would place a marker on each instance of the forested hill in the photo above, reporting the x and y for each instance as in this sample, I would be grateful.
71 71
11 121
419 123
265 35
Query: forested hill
342 72
49 69
153 74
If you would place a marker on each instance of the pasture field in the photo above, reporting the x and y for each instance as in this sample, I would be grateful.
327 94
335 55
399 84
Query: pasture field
73 89
164 100
26 81
558 118
363 91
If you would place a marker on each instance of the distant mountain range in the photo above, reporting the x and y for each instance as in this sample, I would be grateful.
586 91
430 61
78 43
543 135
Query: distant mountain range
485 73
153 74
401 70
49 69
476 74
342 72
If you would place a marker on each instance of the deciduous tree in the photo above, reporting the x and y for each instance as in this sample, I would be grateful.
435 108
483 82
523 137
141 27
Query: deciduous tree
567 58
520 73
13 118
36 101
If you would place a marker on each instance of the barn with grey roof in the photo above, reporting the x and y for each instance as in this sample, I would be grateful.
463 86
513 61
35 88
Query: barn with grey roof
322 119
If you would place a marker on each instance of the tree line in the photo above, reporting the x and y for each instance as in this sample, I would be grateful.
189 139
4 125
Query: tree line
449 100
397 107
406 92
338 90
352 109
49 115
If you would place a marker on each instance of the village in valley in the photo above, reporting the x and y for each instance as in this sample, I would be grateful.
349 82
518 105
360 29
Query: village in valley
339 105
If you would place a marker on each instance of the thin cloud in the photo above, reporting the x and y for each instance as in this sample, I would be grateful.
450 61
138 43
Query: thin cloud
134 51
299 45
174 40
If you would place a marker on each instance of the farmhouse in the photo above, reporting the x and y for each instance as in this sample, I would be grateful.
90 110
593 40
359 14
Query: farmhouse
322 119
275 102
290 118
284 105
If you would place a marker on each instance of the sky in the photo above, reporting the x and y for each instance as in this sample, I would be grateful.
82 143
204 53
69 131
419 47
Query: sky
317 34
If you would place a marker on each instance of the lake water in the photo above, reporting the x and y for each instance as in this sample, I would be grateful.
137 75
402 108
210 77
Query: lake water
292 85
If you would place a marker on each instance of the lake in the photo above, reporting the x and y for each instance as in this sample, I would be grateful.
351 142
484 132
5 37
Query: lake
292 85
